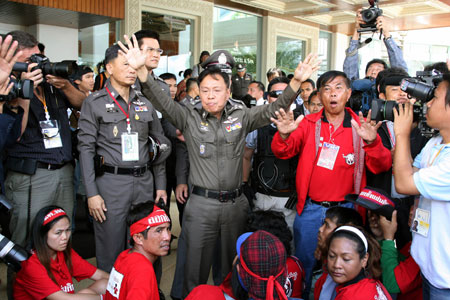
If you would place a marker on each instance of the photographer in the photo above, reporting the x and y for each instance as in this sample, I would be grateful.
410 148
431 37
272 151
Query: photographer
40 163
351 67
429 176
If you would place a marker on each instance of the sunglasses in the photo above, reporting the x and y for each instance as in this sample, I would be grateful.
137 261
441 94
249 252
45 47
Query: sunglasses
275 94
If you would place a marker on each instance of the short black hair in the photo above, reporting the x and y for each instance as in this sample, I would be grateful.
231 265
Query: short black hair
190 84
439 66
166 76
376 61
272 71
259 84
214 72
24 39
330 76
344 215
314 93
313 84
276 80
82 70
111 53
204 52
272 222
383 77
187 73
41 47
146 33
446 78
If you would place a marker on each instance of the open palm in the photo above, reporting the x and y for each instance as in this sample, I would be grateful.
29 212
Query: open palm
136 57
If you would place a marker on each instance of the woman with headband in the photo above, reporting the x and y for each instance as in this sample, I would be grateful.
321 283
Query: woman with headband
353 263
48 273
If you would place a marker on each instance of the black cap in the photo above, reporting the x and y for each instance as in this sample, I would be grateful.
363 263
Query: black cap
240 67
221 59
374 199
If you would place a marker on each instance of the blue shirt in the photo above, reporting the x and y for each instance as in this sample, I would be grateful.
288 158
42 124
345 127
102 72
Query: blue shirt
433 182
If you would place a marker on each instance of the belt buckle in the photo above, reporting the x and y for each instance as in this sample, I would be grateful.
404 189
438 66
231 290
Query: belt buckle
326 204
222 198
138 172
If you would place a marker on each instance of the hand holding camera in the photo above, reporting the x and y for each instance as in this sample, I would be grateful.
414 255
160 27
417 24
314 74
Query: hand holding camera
34 74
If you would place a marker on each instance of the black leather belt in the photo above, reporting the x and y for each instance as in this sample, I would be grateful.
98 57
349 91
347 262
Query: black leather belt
134 171
222 196
42 165
328 203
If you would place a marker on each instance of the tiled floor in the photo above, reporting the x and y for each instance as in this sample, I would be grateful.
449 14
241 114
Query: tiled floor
168 262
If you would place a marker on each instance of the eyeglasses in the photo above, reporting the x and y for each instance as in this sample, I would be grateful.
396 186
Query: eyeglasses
150 49
275 94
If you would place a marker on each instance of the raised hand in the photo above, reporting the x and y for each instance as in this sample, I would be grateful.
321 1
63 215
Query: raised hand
135 56
285 122
7 57
305 69
367 131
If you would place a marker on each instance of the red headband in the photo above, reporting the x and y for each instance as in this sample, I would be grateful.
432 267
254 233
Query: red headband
58 212
157 217
270 281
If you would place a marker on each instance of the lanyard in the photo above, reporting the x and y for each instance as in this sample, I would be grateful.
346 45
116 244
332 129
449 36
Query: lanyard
437 154
126 114
44 103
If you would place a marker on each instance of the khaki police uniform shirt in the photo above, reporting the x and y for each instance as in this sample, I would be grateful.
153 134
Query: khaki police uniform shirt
102 123
215 146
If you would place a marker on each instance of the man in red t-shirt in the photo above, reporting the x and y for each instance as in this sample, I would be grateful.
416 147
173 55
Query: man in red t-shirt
132 276
335 146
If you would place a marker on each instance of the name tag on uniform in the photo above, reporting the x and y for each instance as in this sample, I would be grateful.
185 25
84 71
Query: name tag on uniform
50 132
421 223
114 283
328 155
130 146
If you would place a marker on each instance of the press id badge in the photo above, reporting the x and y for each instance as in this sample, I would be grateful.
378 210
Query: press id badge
130 146
328 156
50 132
421 222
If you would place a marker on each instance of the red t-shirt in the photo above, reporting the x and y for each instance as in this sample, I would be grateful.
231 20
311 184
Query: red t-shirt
132 277
364 289
339 181
33 282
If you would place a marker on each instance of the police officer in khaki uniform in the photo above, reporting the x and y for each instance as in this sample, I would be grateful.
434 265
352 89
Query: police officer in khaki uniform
115 124
215 132
240 82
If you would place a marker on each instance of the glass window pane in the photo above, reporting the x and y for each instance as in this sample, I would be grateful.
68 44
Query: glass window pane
289 53
176 37
324 52
240 34
93 42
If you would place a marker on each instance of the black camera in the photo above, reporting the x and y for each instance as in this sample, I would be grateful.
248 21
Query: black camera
62 69
20 89
370 16
13 255
421 88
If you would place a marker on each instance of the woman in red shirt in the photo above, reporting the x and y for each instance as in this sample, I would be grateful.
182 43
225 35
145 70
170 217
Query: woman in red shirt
353 262
48 273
